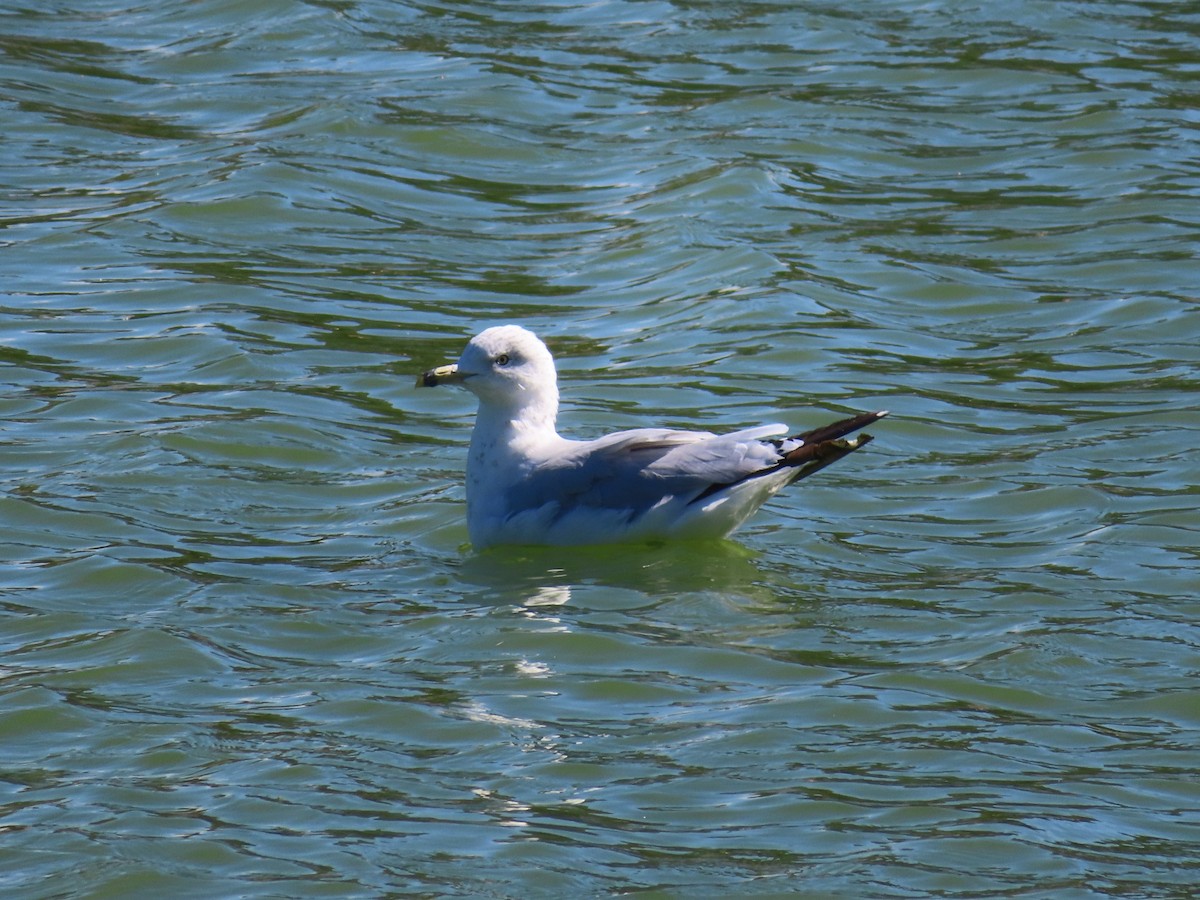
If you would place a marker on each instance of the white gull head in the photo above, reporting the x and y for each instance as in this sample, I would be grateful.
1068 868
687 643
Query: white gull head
511 372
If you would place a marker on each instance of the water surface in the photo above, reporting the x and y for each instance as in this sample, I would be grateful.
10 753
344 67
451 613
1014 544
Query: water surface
247 650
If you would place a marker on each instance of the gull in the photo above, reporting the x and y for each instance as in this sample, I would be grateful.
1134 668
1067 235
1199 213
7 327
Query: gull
528 485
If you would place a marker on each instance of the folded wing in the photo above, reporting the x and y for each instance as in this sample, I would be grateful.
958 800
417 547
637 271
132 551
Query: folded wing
630 473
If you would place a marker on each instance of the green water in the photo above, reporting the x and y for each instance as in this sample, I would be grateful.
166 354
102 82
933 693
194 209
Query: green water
245 649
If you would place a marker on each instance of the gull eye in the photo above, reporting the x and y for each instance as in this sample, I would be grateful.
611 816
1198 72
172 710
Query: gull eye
502 359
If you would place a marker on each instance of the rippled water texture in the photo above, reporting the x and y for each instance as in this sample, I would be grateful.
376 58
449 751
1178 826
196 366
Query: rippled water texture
246 650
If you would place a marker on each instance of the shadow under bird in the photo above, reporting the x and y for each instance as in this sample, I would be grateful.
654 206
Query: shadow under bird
528 485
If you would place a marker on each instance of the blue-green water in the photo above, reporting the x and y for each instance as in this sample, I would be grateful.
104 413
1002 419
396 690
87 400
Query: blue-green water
246 650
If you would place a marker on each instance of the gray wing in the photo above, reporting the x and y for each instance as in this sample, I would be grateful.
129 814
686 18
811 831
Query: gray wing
633 471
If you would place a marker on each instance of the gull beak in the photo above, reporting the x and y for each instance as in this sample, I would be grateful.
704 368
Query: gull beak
441 375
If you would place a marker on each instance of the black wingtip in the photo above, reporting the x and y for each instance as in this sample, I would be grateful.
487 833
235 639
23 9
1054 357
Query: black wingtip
841 428
817 449
824 446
